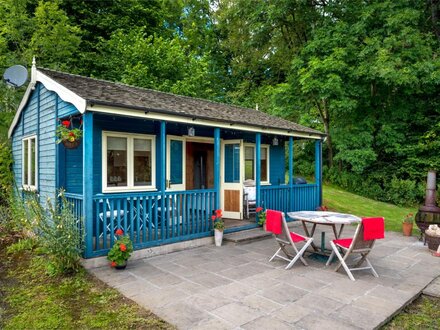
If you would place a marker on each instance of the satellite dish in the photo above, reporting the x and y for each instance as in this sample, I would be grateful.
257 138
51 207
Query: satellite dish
15 76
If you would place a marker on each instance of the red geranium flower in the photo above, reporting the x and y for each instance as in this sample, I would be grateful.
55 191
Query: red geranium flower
119 232
66 123
113 264
123 247
213 217
218 213
258 209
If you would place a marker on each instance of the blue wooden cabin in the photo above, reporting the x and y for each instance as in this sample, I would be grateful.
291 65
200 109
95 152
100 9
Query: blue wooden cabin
152 163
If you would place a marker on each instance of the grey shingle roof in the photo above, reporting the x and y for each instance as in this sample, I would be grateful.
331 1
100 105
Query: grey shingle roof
116 94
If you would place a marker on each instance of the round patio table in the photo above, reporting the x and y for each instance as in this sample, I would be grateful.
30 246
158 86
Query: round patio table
324 218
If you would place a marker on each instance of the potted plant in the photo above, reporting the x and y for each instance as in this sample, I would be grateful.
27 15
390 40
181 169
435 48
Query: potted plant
261 217
407 224
432 237
219 226
120 252
68 135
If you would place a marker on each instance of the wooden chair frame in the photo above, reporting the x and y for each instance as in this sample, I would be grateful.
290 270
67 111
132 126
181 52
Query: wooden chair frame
285 239
358 246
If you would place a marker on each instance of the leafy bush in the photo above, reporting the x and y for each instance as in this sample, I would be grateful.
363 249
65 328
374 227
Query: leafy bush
14 216
60 234
26 244
6 176
378 186
402 192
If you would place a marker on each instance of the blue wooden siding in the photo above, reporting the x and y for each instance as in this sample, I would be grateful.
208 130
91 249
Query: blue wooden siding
39 118
277 165
73 174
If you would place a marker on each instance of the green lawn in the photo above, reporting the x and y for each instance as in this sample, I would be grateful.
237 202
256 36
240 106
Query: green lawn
31 299
343 201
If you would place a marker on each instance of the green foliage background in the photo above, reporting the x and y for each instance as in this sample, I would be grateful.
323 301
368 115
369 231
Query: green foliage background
367 73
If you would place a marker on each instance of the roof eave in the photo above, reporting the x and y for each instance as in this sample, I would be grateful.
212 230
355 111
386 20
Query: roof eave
109 106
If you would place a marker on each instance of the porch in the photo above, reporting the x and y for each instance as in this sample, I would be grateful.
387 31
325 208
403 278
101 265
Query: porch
160 185
157 218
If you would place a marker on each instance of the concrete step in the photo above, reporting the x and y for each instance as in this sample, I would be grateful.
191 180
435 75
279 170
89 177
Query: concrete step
246 236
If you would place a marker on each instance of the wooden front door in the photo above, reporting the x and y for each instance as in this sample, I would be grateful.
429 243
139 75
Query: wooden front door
232 179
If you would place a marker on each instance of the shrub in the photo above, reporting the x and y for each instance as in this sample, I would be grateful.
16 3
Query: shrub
401 192
13 214
60 234
6 176
378 185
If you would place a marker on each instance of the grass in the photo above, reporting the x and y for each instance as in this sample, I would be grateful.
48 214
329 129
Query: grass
422 314
30 299
346 202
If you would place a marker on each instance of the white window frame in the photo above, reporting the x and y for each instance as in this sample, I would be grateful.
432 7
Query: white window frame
130 165
263 146
27 185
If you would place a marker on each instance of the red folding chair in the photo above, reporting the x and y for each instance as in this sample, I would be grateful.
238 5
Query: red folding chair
367 232
276 223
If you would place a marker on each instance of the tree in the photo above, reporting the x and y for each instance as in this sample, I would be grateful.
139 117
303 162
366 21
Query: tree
54 41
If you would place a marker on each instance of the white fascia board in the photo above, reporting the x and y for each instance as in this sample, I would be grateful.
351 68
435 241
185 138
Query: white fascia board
202 122
64 93
23 102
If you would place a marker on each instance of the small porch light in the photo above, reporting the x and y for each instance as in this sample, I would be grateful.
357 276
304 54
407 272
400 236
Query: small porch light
191 131
275 141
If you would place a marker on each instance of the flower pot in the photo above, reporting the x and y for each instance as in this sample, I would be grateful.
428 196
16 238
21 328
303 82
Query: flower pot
218 237
264 227
407 228
120 267
71 145
433 242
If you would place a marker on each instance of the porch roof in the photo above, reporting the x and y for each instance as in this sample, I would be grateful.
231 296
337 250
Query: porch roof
101 92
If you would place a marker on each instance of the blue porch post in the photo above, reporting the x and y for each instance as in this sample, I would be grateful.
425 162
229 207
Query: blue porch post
162 180
291 173
217 167
258 168
88 180
318 170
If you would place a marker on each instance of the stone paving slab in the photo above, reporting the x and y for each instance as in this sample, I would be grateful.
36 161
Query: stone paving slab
433 288
236 287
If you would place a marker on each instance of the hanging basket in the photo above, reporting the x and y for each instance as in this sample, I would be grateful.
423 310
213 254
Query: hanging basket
71 145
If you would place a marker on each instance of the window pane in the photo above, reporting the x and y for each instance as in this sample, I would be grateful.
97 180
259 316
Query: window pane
249 163
116 161
32 162
249 169
264 164
142 162
232 163
176 162
25 162
249 153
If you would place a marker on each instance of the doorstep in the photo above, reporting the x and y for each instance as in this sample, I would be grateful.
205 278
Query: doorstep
246 236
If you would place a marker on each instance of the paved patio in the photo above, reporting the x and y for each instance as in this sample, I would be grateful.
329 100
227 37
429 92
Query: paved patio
235 287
